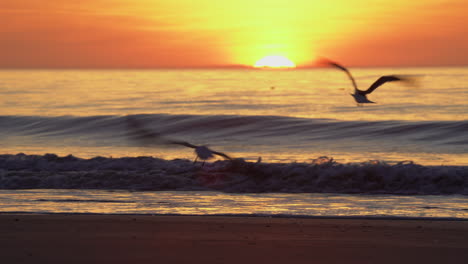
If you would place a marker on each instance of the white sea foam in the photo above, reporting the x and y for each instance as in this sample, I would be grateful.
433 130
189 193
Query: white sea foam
147 173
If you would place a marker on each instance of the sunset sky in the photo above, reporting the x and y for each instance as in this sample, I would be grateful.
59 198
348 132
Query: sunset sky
188 33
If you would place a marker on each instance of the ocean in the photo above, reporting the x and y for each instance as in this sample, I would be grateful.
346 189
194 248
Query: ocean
301 145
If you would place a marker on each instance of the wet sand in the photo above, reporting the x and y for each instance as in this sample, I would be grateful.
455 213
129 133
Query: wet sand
192 239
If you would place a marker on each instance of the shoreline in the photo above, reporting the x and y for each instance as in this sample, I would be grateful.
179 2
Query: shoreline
278 216
91 238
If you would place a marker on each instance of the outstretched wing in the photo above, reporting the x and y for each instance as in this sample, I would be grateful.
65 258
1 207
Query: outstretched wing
221 154
382 80
145 136
182 143
138 132
341 67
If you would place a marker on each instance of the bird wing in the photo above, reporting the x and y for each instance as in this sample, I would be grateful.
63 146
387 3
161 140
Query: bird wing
221 154
382 80
148 137
140 133
182 143
336 65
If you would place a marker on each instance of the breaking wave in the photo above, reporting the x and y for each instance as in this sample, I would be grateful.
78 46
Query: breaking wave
322 175
220 127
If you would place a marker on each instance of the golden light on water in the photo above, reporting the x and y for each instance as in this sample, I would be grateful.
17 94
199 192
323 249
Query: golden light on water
209 203
275 61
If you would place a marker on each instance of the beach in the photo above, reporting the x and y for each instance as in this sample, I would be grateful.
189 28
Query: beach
88 238
327 181
238 132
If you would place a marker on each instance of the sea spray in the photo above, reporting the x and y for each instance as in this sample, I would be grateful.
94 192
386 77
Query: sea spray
322 175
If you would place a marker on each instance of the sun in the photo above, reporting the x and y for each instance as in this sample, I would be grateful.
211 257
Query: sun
275 62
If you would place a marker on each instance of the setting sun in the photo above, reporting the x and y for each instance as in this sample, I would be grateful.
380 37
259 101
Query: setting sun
275 62
211 34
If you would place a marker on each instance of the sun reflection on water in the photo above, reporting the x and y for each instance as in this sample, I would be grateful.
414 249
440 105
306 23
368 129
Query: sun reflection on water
215 203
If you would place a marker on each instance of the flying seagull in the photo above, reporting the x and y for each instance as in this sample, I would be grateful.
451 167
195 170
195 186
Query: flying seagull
360 96
146 136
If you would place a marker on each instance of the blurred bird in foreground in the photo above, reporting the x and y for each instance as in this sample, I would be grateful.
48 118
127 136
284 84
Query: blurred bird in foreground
360 96
148 137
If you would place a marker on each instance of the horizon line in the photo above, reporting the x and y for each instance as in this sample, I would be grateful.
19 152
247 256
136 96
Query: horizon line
220 67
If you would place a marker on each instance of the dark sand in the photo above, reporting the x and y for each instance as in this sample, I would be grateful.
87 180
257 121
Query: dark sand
191 239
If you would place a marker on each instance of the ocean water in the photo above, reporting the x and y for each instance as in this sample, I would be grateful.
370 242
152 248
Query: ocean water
297 137
234 204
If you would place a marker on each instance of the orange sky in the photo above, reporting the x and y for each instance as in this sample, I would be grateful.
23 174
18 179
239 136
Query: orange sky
188 33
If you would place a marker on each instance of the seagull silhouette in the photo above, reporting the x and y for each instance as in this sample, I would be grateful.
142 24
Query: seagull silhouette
148 137
360 96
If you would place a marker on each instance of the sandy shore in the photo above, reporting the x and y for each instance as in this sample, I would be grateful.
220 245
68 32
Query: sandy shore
191 239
